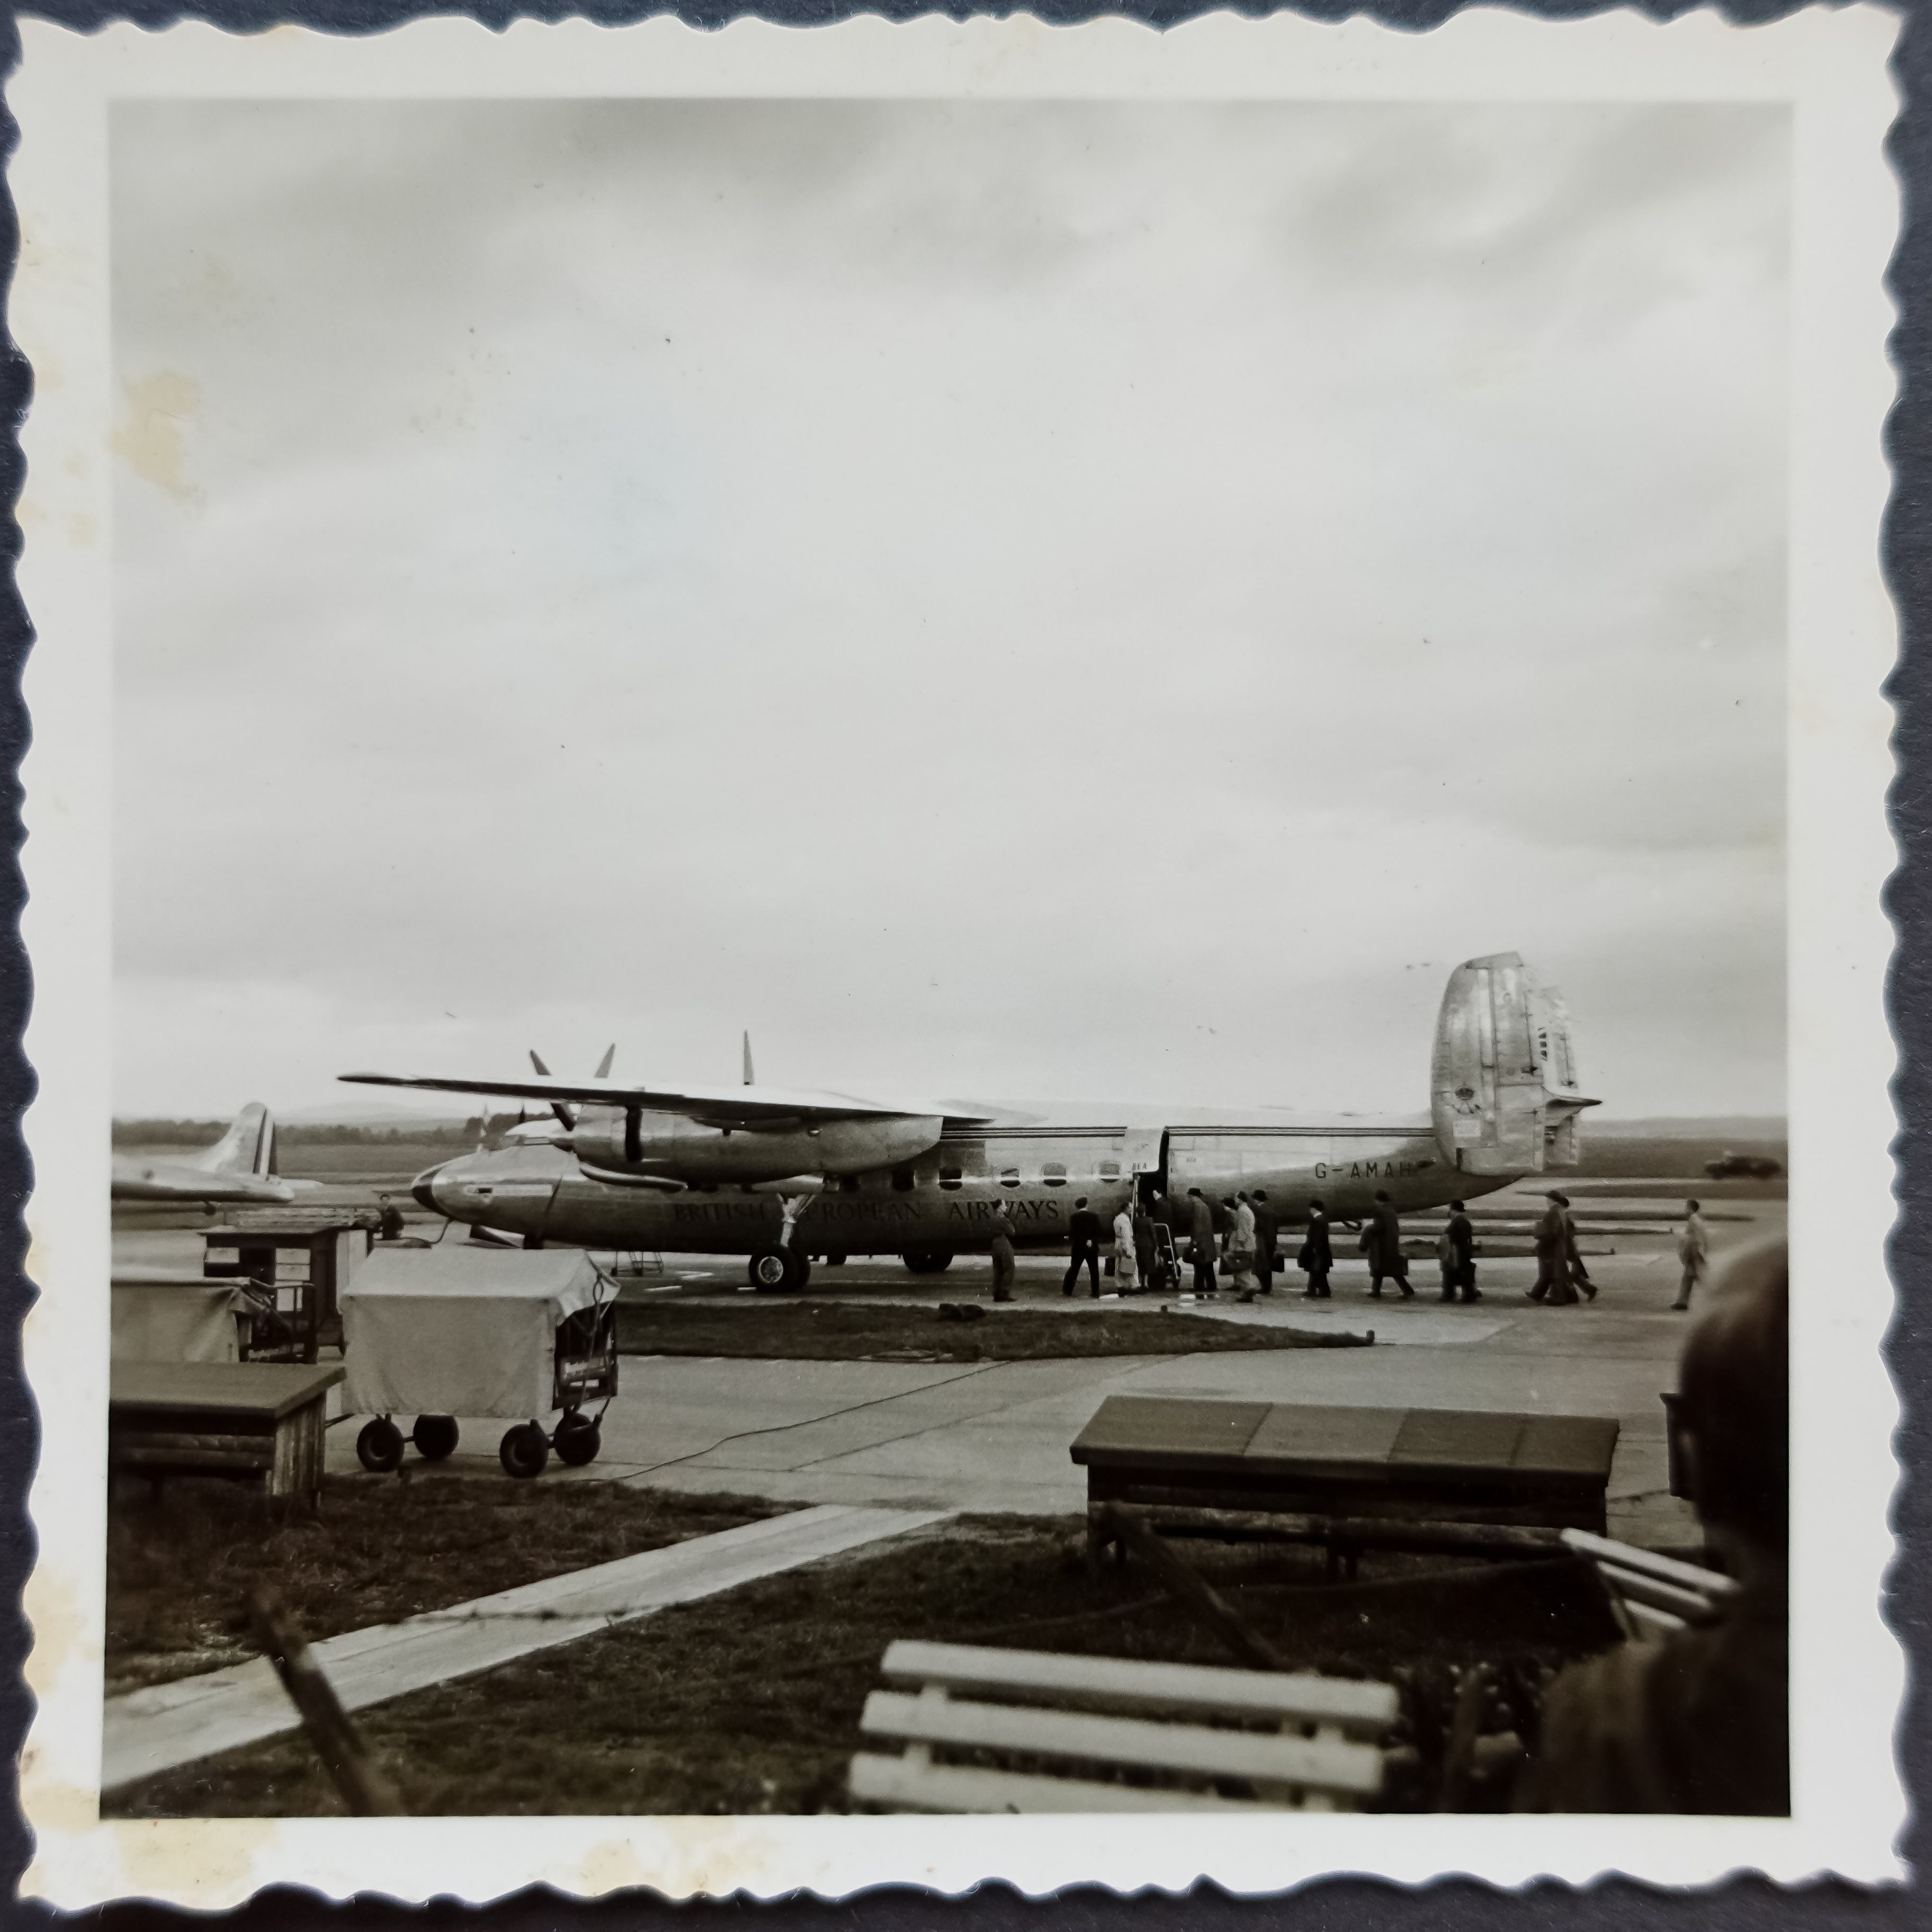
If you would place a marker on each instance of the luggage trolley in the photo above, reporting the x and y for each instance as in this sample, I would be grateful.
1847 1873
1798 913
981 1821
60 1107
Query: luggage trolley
501 1333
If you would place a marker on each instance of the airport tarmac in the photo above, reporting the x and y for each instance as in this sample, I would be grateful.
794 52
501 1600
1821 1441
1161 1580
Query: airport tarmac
994 1435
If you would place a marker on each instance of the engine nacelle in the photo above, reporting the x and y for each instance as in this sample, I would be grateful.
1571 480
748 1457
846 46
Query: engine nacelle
680 1148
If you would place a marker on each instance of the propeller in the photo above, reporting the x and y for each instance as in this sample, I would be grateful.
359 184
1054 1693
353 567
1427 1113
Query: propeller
562 1108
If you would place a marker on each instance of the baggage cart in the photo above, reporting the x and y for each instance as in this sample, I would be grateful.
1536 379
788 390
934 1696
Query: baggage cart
504 1334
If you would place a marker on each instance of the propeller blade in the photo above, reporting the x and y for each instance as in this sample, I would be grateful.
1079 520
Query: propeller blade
748 1081
604 1065
566 1119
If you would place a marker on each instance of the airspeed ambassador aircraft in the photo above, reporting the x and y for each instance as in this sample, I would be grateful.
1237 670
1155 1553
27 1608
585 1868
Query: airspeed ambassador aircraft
784 1175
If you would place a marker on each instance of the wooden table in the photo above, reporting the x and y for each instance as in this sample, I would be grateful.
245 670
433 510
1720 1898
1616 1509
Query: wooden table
1458 1464
264 1422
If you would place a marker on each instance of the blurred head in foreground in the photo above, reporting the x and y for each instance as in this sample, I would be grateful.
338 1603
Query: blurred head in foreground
1734 1399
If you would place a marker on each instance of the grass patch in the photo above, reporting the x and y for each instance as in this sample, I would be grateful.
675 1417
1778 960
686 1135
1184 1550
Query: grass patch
748 1701
179 1570
844 1331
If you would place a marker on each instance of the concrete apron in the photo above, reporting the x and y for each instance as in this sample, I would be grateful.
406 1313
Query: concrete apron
167 1725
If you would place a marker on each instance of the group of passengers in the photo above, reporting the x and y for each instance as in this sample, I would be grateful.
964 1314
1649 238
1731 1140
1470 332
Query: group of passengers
1244 1234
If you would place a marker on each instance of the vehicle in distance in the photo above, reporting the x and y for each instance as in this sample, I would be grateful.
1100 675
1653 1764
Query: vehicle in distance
1744 1167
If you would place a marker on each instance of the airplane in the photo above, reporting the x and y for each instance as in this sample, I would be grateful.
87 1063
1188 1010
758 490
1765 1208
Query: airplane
783 1176
239 1167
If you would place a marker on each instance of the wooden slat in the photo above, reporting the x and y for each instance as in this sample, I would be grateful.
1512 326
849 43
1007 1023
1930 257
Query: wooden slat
1690 1605
909 1786
1328 1765
198 1452
1666 1569
1139 1427
1265 1524
1118 1683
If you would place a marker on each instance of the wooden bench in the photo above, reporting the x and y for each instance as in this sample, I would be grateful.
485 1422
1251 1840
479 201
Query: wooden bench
1461 1465
1656 1596
263 1422
1048 1732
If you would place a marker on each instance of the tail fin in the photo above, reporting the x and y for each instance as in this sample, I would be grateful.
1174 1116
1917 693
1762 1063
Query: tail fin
1503 1082
247 1148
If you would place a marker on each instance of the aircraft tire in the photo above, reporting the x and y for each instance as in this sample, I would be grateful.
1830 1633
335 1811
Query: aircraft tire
523 1451
773 1271
804 1272
435 1437
579 1437
379 1447
928 1260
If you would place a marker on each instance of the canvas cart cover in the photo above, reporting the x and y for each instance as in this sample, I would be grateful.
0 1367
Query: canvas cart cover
166 1314
459 1329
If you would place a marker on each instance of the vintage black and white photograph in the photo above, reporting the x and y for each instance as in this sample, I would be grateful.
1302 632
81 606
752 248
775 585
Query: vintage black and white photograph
952 961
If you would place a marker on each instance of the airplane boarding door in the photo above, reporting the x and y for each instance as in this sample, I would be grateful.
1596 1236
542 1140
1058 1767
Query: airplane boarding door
1147 1160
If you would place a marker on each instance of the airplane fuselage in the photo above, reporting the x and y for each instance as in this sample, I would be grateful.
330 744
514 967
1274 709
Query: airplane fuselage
945 1199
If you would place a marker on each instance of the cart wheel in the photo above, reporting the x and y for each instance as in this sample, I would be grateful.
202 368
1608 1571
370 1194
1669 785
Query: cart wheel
579 1437
524 1451
435 1437
772 1270
379 1447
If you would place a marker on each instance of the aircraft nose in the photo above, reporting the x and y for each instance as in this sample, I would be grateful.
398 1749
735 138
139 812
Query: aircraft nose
423 1188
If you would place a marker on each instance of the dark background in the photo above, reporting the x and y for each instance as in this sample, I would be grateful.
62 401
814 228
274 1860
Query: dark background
1451 1906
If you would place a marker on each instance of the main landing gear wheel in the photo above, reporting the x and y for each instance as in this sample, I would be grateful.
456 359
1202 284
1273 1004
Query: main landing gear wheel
779 1270
379 1448
579 1437
928 1260
435 1437
524 1451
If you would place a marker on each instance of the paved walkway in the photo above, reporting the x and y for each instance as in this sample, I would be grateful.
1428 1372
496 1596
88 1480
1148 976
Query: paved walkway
165 1725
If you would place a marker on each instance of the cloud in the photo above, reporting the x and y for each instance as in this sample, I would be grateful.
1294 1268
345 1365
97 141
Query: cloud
984 593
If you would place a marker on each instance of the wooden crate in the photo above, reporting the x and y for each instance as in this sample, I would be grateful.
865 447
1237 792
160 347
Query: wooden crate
1468 1466
263 1423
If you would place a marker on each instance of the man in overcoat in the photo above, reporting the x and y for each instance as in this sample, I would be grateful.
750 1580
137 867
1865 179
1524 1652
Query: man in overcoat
1381 1242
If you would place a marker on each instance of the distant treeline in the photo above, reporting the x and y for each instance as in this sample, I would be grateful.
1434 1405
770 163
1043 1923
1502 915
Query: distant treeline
298 1133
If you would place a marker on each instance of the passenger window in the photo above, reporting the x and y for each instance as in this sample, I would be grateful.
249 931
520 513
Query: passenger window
1009 1176
902 1179
1110 1170
849 1184
950 1177
1054 1174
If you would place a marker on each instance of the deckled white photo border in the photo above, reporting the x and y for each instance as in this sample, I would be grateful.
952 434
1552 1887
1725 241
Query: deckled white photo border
1847 1671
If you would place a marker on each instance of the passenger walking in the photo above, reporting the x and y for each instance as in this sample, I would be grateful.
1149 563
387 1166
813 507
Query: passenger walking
1693 1253
1143 1245
1552 1257
1573 1256
1200 1241
1316 1257
1381 1242
1462 1237
1241 1246
1085 1228
1126 1268
1002 1254
1268 1237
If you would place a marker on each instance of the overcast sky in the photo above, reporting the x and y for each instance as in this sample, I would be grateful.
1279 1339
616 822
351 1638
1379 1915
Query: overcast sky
997 599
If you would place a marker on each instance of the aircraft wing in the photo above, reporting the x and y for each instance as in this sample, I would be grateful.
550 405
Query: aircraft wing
748 1107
